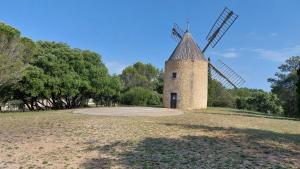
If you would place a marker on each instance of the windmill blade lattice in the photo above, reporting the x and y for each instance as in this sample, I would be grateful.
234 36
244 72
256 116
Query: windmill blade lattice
220 27
224 74
177 33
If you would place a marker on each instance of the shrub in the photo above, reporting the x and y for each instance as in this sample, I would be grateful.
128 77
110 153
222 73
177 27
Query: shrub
141 97
218 96
266 102
260 101
241 103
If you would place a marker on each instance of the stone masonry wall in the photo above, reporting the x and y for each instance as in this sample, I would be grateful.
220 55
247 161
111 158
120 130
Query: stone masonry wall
190 83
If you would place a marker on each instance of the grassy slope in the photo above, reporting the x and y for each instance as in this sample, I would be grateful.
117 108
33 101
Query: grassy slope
213 138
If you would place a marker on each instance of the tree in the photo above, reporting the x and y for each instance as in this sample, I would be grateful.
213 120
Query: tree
218 96
160 82
111 92
140 75
242 95
244 92
74 75
58 76
53 75
143 84
30 88
257 100
265 102
14 52
298 93
284 85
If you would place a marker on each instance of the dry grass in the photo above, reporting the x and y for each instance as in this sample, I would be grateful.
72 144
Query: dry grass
214 138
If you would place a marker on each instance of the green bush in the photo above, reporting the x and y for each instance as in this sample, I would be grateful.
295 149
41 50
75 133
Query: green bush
267 103
260 101
218 96
141 97
241 103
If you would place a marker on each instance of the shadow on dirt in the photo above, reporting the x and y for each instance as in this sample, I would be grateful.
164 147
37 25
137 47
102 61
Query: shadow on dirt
245 113
239 148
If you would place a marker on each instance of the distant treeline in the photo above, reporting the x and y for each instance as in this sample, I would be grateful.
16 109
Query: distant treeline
49 75
282 100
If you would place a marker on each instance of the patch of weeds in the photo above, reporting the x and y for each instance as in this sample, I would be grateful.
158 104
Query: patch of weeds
45 162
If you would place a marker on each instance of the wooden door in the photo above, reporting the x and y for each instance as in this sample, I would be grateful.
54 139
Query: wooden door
173 100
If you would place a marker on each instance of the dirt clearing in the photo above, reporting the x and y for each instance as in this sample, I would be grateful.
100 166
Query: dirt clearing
130 111
213 138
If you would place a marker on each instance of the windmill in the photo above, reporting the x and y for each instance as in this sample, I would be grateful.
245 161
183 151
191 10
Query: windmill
221 72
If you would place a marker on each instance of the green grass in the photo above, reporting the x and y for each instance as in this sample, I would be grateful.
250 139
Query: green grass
212 138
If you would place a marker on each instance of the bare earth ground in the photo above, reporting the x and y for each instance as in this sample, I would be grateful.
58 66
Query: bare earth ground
213 138
130 111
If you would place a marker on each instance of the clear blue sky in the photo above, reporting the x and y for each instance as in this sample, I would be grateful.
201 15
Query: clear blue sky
125 31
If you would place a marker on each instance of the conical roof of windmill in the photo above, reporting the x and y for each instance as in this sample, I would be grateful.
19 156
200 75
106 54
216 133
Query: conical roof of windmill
187 49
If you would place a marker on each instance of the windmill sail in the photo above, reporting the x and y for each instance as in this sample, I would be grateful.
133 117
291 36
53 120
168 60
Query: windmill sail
220 27
177 33
227 76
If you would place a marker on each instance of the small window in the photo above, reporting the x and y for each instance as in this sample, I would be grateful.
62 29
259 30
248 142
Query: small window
174 74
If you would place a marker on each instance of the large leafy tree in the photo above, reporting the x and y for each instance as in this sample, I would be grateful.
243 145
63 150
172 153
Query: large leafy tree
111 92
30 88
14 54
284 85
140 75
62 68
143 84
59 76
53 75
74 76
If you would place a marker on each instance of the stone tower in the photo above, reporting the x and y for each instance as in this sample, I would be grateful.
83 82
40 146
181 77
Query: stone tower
186 76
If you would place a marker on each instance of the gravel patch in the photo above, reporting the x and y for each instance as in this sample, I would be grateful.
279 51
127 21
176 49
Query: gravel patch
129 111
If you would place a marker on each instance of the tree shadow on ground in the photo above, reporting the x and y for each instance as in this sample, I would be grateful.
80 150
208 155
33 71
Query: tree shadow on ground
247 113
247 133
237 148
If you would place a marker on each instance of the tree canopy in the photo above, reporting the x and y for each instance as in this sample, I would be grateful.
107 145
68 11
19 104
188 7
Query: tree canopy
14 51
284 85
58 76
298 93
143 85
140 75
218 95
